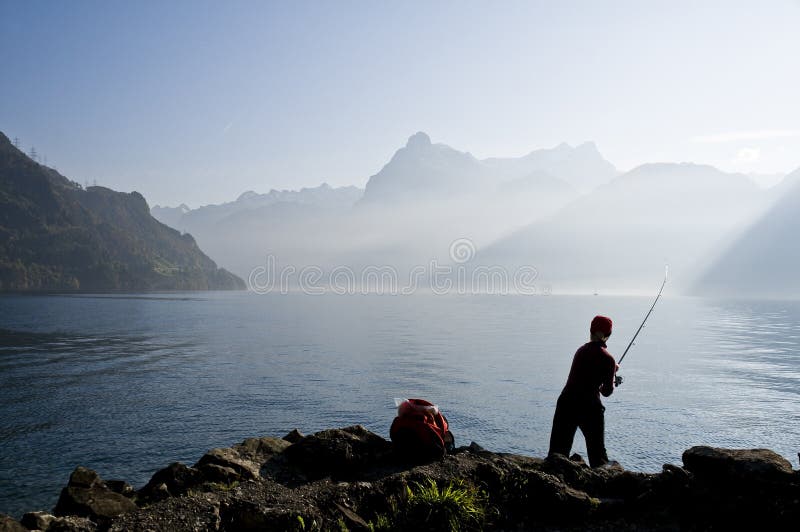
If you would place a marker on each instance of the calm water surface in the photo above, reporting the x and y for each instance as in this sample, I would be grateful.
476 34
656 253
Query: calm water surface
126 384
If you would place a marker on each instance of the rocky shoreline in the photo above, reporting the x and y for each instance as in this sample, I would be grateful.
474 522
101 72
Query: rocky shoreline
350 479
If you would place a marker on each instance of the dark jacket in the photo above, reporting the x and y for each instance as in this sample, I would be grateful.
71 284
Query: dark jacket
592 372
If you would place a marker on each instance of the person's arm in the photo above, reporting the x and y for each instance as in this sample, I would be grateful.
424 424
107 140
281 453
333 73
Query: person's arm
607 388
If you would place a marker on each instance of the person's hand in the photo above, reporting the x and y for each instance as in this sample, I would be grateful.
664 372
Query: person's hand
617 380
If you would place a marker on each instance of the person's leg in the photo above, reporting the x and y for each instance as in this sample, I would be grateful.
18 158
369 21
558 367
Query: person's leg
593 427
564 427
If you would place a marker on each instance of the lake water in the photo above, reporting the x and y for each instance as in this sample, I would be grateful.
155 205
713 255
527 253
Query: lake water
126 384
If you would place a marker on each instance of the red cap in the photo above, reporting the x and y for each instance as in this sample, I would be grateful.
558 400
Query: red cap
602 325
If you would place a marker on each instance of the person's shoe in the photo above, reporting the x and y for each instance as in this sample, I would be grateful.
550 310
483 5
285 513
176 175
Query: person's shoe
577 458
612 465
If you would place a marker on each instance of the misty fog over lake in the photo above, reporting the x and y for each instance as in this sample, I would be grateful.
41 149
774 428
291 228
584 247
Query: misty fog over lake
611 233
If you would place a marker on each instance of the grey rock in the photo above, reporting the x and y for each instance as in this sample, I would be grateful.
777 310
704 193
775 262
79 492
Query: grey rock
718 489
475 448
261 449
84 477
174 480
98 504
736 464
9 524
219 474
294 436
548 497
230 458
569 470
86 495
338 452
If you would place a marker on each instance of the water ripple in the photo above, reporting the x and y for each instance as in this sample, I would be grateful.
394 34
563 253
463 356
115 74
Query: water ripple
127 383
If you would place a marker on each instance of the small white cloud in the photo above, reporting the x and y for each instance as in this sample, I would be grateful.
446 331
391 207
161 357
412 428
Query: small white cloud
733 136
227 128
748 155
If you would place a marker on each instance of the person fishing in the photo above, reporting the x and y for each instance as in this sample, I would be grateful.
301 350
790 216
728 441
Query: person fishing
593 372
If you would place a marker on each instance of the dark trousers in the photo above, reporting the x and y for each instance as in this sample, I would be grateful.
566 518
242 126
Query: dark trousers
573 413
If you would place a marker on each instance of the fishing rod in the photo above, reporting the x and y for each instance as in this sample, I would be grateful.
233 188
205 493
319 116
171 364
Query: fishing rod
666 274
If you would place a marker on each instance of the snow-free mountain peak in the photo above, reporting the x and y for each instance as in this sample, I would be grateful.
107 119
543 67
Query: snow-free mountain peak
423 171
587 147
583 167
418 140
247 195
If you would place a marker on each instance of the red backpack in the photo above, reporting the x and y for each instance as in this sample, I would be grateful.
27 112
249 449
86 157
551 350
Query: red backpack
420 431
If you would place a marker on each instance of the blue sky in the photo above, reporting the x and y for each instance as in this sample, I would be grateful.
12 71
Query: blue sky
197 102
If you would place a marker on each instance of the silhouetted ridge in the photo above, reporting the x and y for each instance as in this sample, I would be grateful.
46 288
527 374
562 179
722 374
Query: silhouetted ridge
764 260
54 235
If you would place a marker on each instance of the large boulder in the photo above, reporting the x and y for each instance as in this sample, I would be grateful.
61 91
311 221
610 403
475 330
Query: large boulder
710 463
572 472
174 480
218 466
262 449
83 477
240 462
338 452
86 495
739 489
550 499
228 459
294 436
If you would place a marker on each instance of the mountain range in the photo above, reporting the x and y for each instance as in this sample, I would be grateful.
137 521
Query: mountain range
423 170
566 211
623 234
56 235
323 197
427 195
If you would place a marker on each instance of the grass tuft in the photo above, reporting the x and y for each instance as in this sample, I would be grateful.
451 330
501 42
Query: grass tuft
455 507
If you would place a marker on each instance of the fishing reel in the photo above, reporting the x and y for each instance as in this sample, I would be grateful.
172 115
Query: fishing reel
617 380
